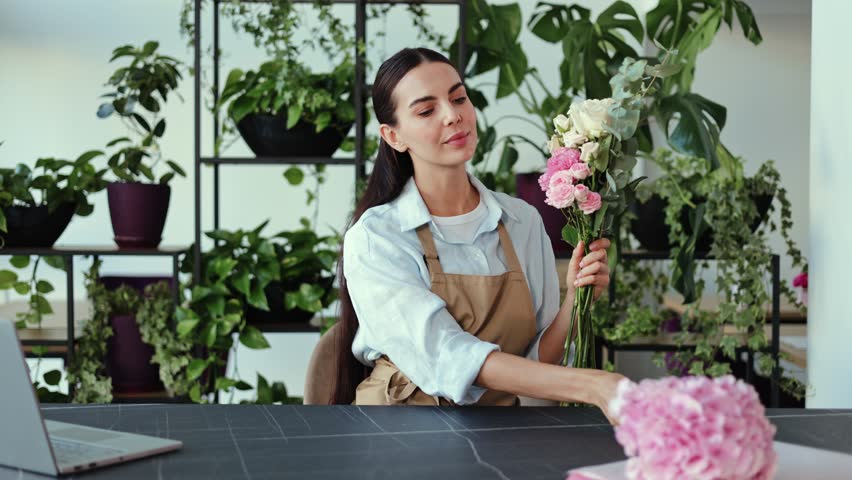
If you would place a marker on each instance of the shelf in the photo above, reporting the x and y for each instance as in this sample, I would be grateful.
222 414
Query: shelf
665 342
104 250
277 161
286 327
788 312
375 2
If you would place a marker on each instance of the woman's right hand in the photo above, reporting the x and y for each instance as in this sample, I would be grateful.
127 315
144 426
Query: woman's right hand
607 387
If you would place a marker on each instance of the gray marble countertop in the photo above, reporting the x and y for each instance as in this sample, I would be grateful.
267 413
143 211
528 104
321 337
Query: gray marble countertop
348 442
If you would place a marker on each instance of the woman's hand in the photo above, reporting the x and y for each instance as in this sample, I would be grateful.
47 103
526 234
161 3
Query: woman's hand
606 388
593 269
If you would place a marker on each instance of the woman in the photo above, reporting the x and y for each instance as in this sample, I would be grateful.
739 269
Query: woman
449 290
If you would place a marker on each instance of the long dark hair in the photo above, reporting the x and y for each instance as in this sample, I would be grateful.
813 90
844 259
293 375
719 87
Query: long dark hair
391 172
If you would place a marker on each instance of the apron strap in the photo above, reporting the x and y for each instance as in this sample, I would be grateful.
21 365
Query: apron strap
428 244
509 249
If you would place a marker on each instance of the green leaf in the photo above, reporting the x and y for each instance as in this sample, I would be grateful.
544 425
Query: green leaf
294 175
697 121
20 261
294 113
195 392
241 107
208 334
322 121
117 141
257 298
40 350
264 393
150 47
570 235
508 158
7 278
3 226
22 288
52 377
55 261
41 304
43 286
186 326
142 122
160 128
195 368
251 337
242 282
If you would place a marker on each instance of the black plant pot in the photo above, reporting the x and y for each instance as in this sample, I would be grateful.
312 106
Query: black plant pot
650 229
277 314
35 226
138 213
268 136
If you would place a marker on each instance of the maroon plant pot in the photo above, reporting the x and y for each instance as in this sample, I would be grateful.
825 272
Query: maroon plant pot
128 360
527 188
138 213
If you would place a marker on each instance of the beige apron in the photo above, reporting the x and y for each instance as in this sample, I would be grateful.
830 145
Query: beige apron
495 308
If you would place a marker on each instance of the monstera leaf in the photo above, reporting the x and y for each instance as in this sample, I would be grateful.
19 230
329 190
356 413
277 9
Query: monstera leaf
590 48
692 124
689 26
492 33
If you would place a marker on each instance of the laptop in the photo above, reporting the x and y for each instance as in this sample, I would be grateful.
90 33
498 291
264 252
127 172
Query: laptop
31 443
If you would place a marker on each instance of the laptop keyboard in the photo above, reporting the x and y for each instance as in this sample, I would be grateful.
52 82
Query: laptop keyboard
71 452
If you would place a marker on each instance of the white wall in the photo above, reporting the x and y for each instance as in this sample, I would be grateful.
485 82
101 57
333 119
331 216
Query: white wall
830 319
54 61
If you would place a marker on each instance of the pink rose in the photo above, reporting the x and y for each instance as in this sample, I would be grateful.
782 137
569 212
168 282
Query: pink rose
592 203
580 171
563 158
581 192
560 192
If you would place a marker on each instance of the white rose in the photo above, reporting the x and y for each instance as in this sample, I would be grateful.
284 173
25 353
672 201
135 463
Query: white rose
588 150
573 139
589 117
554 143
562 123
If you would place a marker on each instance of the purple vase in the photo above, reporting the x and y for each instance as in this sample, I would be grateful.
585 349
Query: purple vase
528 189
128 360
138 213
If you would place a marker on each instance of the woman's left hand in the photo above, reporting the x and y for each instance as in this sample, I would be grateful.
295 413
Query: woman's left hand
593 269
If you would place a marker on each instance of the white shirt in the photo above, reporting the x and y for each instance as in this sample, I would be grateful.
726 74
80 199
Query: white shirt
399 316
462 228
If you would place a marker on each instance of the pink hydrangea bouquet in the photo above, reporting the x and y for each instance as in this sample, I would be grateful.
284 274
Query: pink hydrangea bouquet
589 176
698 428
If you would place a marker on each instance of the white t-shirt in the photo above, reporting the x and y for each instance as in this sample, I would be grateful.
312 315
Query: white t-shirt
462 228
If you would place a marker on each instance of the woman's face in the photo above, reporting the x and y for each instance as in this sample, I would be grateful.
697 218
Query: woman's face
432 109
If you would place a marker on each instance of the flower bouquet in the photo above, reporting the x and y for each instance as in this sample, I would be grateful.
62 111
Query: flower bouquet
692 427
588 177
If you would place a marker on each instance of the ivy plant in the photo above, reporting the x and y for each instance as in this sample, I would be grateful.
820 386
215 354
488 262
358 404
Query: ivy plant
154 311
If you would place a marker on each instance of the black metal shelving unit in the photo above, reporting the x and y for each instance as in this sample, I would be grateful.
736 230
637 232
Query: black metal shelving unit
775 318
359 98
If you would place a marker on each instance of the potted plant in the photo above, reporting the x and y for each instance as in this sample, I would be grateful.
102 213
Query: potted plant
138 200
129 343
283 108
37 204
